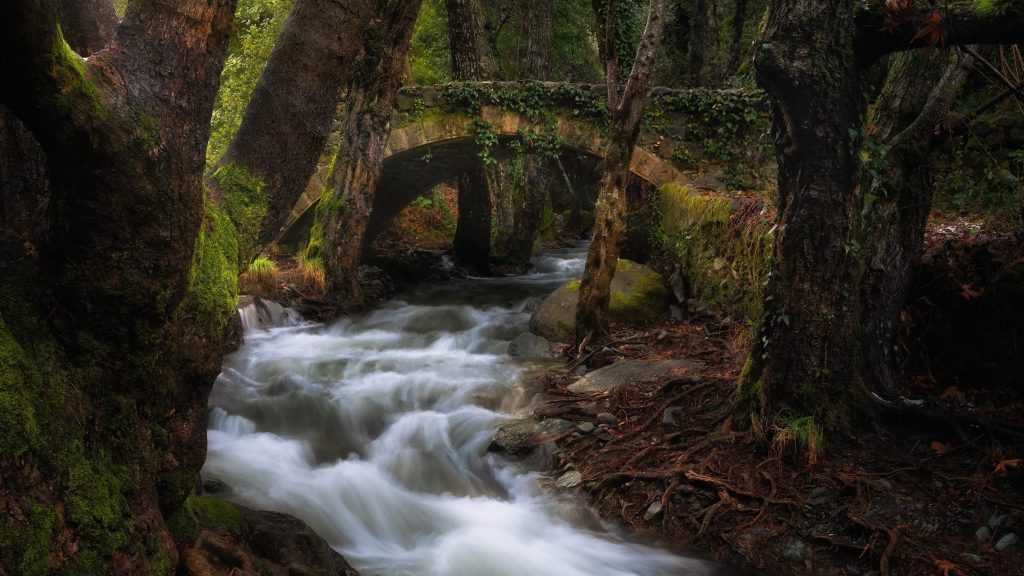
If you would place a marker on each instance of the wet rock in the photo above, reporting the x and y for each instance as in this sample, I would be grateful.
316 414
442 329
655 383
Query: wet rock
607 418
1006 542
974 558
795 551
569 480
586 427
818 496
581 370
517 436
613 376
759 530
529 345
669 418
637 293
653 511
262 543
983 534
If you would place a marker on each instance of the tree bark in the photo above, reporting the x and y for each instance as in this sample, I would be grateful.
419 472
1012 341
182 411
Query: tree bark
699 24
625 112
88 24
739 17
345 212
102 288
808 359
288 119
540 39
471 60
804 352
897 183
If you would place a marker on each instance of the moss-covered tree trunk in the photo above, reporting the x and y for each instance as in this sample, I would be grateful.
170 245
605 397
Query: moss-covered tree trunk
471 60
102 400
289 117
344 211
625 109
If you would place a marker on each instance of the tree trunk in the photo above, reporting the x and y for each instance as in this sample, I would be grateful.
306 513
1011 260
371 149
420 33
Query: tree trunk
540 39
91 310
344 212
87 24
471 60
739 17
699 34
514 247
288 119
625 111
897 181
472 243
471 56
807 345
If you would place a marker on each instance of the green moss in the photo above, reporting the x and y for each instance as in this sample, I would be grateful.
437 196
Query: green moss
243 201
71 75
646 296
573 286
203 513
19 386
725 255
213 282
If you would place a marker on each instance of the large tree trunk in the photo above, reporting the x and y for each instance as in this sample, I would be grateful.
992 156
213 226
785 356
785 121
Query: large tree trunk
344 212
289 116
90 307
897 184
739 18
514 243
806 350
540 39
471 60
808 359
625 109
699 41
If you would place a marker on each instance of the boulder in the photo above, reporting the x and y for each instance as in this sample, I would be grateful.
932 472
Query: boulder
637 293
529 345
623 371
246 542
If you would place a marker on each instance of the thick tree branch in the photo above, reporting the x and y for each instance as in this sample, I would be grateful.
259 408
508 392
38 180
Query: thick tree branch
962 23
88 24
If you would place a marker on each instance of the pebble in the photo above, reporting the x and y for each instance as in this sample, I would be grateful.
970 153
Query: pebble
995 521
973 558
818 496
607 419
1006 542
983 534
653 511
759 530
586 427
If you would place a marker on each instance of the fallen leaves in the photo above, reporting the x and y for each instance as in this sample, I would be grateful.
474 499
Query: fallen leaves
941 448
1004 465
945 567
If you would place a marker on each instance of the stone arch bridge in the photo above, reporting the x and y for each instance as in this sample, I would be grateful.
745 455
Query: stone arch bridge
441 131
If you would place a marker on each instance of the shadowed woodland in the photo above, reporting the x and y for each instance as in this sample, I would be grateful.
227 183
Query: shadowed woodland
803 279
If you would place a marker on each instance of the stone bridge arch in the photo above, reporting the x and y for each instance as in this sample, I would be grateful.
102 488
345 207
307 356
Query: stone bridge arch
435 133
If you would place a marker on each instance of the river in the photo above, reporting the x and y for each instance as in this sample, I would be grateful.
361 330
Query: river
374 430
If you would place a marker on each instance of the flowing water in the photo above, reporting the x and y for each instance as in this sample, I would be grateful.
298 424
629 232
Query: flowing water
374 430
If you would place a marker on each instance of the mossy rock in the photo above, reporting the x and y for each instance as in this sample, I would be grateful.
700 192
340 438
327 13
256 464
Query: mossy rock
637 294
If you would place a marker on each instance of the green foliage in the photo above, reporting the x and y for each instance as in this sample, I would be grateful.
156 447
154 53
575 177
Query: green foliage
729 124
30 542
429 56
262 269
981 180
800 434
257 25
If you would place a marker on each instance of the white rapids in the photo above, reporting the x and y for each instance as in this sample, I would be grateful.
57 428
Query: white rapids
374 431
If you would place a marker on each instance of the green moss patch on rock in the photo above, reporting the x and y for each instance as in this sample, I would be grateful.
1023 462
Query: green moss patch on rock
723 247
203 513
637 293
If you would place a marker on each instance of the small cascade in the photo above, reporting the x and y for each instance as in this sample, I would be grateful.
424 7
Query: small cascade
374 430
259 314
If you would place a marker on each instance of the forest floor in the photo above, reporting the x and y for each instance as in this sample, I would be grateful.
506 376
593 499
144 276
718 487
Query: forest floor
890 499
